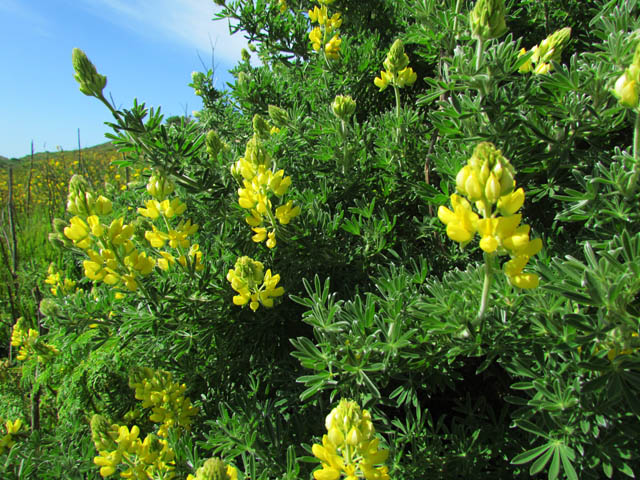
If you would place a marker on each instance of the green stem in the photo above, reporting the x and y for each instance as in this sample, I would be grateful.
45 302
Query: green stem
635 171
455 20
479 52
488 274
343 133
396 90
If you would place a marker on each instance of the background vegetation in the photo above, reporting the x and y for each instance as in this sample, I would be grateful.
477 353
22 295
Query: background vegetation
380 306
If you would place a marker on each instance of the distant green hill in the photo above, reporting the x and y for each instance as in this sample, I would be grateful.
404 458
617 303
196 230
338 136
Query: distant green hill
101 148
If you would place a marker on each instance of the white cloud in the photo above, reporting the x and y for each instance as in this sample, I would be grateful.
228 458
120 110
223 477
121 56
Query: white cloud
188 22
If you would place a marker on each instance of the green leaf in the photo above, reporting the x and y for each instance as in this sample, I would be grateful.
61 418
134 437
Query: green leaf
529 455
566 455
542 461
554 467
530 427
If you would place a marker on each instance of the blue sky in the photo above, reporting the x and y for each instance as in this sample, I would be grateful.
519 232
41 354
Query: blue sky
146 48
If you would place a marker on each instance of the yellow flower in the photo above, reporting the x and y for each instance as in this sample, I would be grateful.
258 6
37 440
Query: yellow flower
513 269
166 261
156 238
152 211
316 38
78 232
119 233
332 48
284 213
512 202
173 208
495 230
406 77
261 234
383 80
462 223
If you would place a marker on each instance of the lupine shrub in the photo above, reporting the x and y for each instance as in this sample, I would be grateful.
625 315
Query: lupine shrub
404 243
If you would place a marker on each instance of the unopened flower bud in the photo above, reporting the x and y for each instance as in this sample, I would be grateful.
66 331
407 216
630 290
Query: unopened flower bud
245 55
396 58
278 116
484 171
555 43
343 107
214 144
49 308
261 127
91 82
335 436
58 225
78 185
243 79
473 187
626 90
354 436
487 19
100 433
461 179
58 240
507 182
492 188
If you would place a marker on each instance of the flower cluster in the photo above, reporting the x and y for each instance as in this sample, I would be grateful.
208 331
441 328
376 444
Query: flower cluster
253 285
30 343
325 36
627 87
214 469
619 342
157 390
350 448
487 181
160 207
260 182
12 428
550 49
397 73
119 446
58 284
113 256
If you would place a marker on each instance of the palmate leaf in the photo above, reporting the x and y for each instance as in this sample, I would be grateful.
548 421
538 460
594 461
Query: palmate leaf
554 450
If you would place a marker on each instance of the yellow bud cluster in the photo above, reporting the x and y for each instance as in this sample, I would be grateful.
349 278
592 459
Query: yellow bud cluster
11 428
487 182
160 186
169 406
253 285
350 447
325 36
138 459
30 343
58 284
550 49
214 469
397 73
